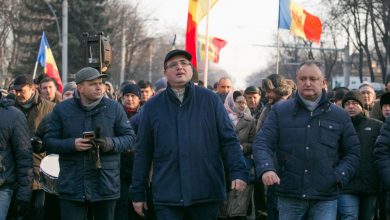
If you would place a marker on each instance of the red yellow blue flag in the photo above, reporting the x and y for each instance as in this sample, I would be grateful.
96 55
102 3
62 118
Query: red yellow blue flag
46 59
214 44
300 22
197 9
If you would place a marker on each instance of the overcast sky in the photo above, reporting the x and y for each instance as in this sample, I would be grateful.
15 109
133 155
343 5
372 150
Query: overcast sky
242 23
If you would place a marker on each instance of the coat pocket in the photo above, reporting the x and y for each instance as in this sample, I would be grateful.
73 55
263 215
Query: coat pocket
329 133
109 178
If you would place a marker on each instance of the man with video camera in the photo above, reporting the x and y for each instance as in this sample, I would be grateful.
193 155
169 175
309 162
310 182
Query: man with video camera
89 132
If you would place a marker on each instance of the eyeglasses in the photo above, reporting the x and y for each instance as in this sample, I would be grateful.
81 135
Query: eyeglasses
175 64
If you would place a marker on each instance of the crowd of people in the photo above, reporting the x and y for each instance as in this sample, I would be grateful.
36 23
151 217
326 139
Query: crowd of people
285 149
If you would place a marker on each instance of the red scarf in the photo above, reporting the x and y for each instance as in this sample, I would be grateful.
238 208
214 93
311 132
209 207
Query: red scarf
130 112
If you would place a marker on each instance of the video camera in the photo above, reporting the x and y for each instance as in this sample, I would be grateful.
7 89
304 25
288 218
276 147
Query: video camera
97 52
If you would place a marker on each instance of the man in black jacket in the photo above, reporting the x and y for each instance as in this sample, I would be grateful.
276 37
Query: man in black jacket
16 160
358 197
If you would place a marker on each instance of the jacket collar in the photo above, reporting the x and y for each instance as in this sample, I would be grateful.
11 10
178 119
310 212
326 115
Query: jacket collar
102 103
189 87
323 105
243 121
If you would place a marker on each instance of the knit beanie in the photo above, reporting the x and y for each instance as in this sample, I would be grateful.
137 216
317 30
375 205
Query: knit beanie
385 99
70 86
133 89
353 95
160 84
277 84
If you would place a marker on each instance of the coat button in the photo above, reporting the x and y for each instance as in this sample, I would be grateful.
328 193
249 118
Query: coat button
306 171
303 195
343 173
307 148
308 126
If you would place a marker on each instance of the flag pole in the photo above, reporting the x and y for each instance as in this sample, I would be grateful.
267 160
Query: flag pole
206 63
277 52
35 70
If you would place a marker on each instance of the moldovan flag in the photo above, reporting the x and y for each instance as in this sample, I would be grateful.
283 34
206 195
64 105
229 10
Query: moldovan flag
215 45
299 21
46 60
197 9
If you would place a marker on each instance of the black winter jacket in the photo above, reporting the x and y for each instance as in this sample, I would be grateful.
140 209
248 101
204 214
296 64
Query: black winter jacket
16 158
365 179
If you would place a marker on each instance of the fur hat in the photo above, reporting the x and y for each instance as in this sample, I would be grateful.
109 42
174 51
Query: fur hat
277 84
354 95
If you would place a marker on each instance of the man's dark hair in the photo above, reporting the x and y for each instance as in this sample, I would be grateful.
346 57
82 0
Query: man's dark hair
215 86
144 84
276 83
48 79
339 92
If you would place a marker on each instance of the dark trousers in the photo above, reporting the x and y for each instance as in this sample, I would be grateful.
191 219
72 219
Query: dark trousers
122 204
37 210
272 203
124 209
52 207
101 210
259 200
204 211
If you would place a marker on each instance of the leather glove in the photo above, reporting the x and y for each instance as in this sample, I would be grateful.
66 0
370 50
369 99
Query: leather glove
36 144
103 144
21 208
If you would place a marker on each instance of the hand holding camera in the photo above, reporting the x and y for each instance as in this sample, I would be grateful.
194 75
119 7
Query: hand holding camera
36 144
102 143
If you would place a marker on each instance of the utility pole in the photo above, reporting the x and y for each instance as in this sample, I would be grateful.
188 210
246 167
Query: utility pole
150 60
346 66
65 41
123 52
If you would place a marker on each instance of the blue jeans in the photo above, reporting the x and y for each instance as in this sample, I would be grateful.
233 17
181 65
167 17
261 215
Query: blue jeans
295 209
5 200
356 206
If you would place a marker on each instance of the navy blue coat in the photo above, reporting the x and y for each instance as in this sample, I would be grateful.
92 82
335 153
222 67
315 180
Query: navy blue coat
79 180
16 158
316 152
382 154
189 144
